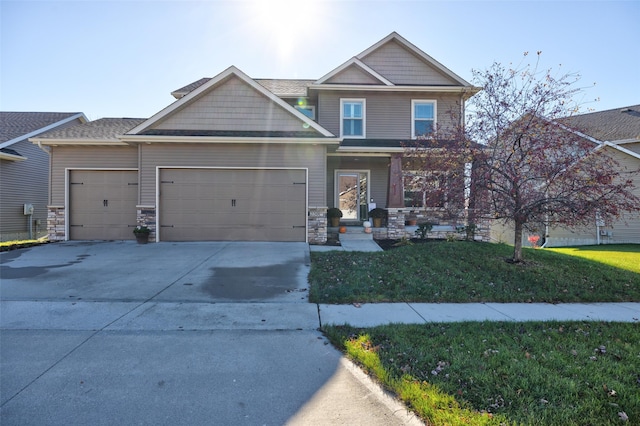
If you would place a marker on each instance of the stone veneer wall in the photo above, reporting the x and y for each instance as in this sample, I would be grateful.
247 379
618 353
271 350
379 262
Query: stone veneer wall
146 216
317 225
396 228
395 223
55 223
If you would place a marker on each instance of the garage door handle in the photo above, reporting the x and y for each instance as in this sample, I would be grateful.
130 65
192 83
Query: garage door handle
105 203
233 203
299 226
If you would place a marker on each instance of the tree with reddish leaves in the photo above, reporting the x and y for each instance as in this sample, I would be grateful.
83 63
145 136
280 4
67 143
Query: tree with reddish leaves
532 168
528 169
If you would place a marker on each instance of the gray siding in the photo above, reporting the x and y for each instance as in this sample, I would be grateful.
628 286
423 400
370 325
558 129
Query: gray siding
234 105
626 230
23 182
96 157
401 66
379 175
353 75
388 114
234 155
635 147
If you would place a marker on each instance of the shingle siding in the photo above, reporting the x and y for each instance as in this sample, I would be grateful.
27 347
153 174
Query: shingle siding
232 105
402 67
353 75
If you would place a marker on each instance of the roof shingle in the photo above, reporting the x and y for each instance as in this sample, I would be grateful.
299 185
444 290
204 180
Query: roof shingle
16 124
610 125
102 129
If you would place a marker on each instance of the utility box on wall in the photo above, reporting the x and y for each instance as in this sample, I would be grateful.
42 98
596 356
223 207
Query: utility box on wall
28 209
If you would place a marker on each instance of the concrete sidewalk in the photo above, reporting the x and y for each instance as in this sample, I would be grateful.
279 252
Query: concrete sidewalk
373 314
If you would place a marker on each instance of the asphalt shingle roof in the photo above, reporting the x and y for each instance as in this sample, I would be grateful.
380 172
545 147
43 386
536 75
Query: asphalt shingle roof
16 124
102 129
279 87
610 125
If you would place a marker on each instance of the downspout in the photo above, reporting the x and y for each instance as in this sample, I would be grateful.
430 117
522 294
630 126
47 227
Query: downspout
546 231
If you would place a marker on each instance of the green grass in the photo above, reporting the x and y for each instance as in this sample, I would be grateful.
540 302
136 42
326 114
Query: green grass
623 256
17 244
535 373
439 271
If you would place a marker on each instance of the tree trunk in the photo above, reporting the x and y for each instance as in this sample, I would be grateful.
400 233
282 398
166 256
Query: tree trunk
517 243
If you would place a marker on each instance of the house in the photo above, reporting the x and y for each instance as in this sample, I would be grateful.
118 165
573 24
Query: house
614 132
24 171
238 158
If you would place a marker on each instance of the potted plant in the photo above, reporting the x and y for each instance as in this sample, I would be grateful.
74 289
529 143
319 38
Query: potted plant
378 214
334 214
142 234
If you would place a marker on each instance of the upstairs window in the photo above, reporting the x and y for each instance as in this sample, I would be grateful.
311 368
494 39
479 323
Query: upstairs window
352 118
309 111
423 117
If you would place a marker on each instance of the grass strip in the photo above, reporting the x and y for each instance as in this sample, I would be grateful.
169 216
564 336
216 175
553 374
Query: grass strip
535 373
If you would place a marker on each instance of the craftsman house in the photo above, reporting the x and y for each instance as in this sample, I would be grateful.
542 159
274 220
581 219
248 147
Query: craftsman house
238 158
24 171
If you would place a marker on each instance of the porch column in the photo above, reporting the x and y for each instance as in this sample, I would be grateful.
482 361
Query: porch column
395 196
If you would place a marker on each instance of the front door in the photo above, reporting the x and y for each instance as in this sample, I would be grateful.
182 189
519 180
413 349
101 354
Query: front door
352 193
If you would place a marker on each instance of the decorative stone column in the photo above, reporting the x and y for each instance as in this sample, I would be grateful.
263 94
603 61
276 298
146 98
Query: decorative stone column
395 194
56 223
146 216
317 225
395 223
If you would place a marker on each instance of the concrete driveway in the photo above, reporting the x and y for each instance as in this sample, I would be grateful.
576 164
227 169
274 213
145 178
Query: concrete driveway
172 333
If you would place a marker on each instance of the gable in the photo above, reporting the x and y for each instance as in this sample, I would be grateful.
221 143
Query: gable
232 105
353 75
229 105
402 67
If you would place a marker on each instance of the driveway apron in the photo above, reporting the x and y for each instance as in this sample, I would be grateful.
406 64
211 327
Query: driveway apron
172 333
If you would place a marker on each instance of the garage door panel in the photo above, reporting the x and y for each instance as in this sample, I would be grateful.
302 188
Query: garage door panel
231 204
102 204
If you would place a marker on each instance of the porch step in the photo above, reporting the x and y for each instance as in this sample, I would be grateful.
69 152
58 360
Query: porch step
355 233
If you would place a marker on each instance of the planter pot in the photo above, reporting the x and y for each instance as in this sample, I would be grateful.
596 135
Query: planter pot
367 230
335 221
412 222
377 222
343 229
142 238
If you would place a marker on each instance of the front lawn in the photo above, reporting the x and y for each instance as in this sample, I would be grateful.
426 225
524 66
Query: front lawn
535 373
623 256
460 271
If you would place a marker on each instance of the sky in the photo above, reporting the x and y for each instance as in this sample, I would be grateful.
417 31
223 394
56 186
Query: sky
123 58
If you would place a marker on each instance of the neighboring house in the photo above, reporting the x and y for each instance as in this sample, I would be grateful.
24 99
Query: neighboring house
24 171
615 132
237 158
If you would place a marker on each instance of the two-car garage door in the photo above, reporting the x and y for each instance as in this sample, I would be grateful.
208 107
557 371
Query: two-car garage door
232 204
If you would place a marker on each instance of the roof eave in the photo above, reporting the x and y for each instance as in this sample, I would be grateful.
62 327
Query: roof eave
368 149
82 141
11 157
470 90
148 139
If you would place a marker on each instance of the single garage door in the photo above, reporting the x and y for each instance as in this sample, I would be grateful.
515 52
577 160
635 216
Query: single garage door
232 205
102 204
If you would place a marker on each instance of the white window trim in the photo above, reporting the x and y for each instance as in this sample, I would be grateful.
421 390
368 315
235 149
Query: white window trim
364 117
413 113
311 108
